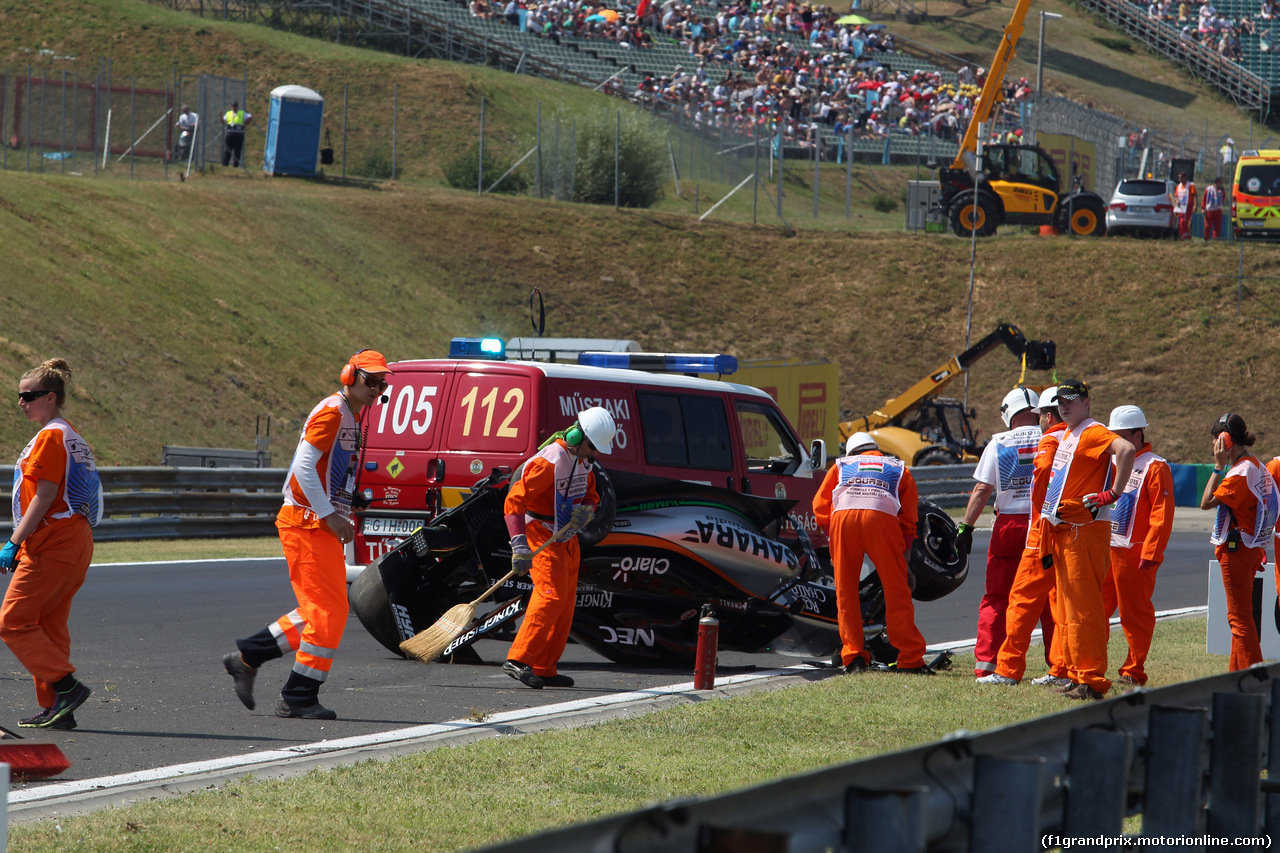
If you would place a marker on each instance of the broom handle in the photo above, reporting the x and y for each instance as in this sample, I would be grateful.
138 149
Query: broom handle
509 575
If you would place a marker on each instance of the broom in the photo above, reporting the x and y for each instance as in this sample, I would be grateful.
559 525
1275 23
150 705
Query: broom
30 760
428 644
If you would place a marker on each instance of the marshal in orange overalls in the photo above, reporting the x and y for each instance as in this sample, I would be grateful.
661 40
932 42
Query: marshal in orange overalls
1129 586
868 504
1033 596
545 630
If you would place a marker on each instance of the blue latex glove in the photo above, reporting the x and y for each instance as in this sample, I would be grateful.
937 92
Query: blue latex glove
8 555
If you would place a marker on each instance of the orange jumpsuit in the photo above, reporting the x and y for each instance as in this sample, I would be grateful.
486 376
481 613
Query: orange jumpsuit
1081 547
1128 587
545 630
53 561
1033 596
1239 509
320 482
842 508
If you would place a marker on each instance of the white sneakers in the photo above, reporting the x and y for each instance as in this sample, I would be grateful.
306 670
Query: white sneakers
997 678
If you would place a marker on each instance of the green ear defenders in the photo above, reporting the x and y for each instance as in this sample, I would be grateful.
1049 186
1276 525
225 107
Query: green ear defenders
573 435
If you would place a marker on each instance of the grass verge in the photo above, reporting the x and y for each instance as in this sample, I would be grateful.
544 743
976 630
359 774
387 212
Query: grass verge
505 787
185 549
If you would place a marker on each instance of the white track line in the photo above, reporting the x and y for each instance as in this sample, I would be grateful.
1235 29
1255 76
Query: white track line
248 760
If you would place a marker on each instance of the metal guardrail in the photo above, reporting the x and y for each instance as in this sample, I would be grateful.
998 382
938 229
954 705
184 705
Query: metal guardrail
1188 758
945 485
173 503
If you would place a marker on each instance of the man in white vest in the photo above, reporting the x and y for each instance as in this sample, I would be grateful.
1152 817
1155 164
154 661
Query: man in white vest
1141 521
868 504
1003 470
1077 506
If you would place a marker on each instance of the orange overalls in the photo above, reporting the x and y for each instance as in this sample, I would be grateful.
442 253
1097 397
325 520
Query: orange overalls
1141 521
321 479
1081 547
53 561
1243 491
545 630
1033 597
1007 465
868 504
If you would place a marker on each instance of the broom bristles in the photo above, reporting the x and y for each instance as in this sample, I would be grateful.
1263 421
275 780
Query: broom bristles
427 645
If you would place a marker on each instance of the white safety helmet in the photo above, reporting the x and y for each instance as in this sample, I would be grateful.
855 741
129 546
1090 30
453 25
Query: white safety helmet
1127 417
1048 399
598 426
860 441
1020 399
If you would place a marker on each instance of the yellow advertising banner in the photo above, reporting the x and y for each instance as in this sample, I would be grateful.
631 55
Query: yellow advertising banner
807 392
1062 149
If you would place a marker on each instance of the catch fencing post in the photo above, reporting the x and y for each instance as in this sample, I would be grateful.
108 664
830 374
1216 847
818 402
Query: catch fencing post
779 170
537 184
617 154
395 115
848 173
755 191
133 118
816 175
344 130
480 157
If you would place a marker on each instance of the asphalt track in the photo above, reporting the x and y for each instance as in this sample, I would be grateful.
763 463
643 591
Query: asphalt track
149 638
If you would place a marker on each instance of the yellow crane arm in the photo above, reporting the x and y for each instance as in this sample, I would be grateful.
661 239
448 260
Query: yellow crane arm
992 90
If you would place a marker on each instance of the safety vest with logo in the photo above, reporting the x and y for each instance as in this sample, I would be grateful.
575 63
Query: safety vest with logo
337 465
1007 463
572 479
79 493
1263 488
1062 469
1122 511
868 482
234 119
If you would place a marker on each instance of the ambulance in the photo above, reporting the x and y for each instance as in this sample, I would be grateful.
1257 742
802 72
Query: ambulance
1255 196
444 424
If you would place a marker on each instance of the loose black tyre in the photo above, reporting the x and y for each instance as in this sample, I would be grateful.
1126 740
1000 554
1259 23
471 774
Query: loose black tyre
602 522
935 564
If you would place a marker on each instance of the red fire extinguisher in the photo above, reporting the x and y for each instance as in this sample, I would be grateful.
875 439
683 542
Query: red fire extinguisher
704 668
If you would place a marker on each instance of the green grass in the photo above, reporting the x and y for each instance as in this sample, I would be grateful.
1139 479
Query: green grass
506 787
184 549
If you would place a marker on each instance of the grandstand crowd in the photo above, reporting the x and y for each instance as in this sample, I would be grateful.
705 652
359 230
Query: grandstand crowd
769 65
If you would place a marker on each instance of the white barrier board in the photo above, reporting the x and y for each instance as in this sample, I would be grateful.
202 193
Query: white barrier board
1219 639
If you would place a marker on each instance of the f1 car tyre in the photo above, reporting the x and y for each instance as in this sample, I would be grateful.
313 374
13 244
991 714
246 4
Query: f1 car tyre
938 568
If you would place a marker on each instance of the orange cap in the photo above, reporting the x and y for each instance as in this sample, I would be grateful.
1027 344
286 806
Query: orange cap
370 361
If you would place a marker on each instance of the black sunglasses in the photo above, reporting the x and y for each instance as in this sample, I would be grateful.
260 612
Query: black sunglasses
30 396
373 382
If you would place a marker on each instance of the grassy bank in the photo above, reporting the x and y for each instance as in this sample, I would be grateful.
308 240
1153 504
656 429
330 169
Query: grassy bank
506 787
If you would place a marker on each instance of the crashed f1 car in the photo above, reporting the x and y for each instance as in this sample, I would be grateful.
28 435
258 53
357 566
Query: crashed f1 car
656 551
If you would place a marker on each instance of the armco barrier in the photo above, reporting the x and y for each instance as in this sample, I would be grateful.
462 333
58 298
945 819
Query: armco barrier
175 503
1189 758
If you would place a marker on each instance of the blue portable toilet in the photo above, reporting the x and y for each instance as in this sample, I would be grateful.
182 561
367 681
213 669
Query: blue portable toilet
293 131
